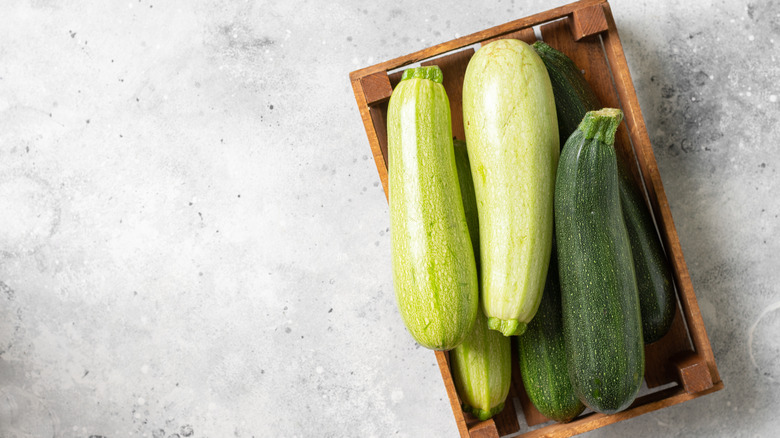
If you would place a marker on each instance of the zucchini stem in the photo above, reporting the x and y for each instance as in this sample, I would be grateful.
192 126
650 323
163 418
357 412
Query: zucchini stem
432 73
601 125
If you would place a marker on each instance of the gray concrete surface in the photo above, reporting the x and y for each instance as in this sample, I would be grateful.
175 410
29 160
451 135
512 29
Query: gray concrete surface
194 240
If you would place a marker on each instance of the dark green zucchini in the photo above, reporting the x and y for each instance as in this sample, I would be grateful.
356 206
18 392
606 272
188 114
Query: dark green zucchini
542 355
573 98
601 318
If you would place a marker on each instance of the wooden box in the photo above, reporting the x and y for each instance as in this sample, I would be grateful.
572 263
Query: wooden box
679 367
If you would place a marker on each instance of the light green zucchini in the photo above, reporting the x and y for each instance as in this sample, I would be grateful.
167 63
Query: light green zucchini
513 146
434 272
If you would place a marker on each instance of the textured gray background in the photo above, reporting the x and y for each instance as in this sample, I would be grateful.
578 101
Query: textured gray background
194 240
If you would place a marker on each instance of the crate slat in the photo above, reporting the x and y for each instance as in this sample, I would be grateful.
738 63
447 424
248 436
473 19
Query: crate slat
526 35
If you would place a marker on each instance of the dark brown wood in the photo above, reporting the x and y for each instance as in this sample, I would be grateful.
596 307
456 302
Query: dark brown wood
659 369
526 35
376 88
613 86
692 372
588 21
655 191
453 67
506 420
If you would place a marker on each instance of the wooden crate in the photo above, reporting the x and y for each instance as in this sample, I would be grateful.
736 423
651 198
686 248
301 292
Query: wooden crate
679 367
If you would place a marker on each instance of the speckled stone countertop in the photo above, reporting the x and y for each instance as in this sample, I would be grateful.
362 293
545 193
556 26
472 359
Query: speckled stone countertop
194 240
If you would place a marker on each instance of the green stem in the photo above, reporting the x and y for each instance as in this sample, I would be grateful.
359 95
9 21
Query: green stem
432 72
601 124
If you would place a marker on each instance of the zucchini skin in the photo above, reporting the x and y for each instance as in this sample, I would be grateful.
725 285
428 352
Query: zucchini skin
573 98
467 195
513 146
542 355
653 273
482 369
481 364
601 318
434 272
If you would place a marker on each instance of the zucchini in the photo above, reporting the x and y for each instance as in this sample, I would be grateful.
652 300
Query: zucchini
482 370
482 364
434 272
601 317
467 195
573 98
542 355
511 134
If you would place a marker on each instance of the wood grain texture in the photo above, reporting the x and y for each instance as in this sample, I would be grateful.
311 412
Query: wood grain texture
655 191
692 372
588 21
506 420
526 35
453 67
484 429
659 369
376 88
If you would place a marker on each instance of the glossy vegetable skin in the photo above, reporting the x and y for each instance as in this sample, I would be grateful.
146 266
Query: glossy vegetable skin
542 355
601 317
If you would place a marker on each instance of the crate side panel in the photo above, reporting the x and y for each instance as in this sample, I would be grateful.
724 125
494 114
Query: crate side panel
526 35
661 352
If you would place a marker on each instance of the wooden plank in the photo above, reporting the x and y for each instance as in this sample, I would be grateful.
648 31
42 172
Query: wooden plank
379 124
506 420
692 372
648 403
442 359
663 215
484 429
476 37
659 367
376 88
526 35
588 21
380 158
453 67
